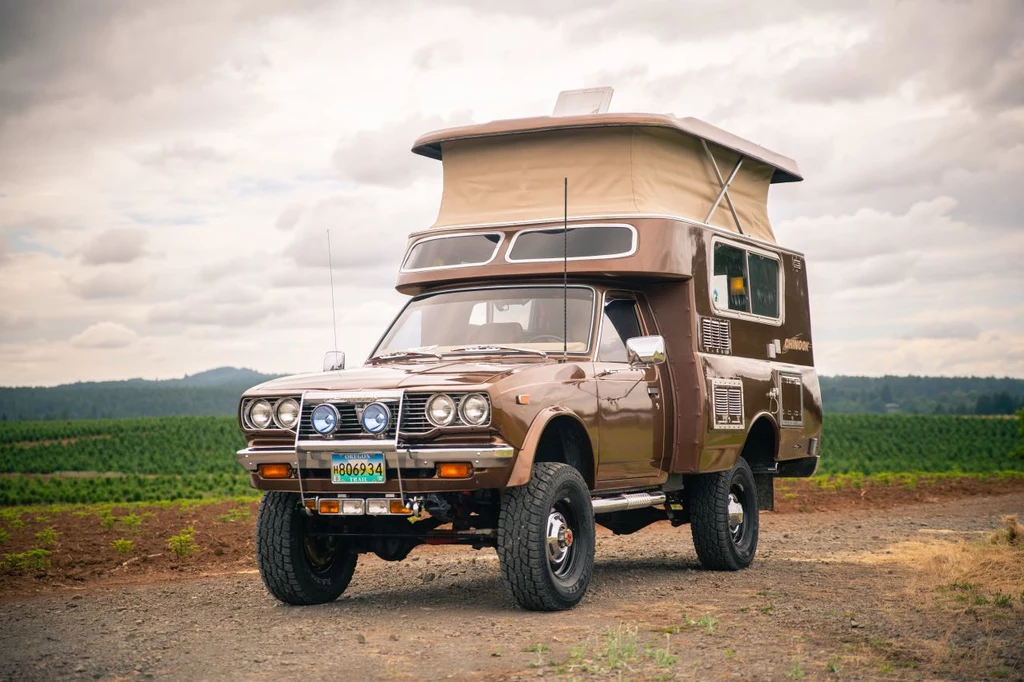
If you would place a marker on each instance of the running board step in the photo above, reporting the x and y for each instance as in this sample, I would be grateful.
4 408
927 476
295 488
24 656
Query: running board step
606 505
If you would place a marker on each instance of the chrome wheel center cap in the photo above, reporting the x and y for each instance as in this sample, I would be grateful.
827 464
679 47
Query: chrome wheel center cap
559 539
735 517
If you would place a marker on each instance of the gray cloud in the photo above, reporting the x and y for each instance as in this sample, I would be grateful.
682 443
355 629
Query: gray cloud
119 245
949 46
104 335
108 284
289 217
944 329
183 152
381 156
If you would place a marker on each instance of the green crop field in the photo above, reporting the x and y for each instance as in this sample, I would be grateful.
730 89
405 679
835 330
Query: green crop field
167 458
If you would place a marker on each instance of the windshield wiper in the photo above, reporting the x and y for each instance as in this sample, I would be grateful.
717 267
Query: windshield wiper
489 347
398 354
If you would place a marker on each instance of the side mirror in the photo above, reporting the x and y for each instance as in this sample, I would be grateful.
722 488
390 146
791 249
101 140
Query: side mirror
646 350
334 360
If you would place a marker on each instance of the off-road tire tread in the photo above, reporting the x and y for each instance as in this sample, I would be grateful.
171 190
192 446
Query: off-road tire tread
285 576
709 524
524 514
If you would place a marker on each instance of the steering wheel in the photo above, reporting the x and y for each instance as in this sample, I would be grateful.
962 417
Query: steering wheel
544 337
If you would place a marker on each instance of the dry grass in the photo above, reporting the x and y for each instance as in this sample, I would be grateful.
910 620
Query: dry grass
1011 534
993 566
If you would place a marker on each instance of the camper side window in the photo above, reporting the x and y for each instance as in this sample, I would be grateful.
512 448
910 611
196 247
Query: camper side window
745 282
729 285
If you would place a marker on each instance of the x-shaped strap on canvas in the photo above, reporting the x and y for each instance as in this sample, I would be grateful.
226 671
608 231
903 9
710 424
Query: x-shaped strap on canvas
724 184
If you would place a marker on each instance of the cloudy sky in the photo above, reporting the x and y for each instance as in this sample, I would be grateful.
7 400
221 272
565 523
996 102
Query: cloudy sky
168 170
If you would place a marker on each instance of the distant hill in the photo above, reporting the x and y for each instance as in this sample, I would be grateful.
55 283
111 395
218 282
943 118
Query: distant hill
922 395
216 392
213 392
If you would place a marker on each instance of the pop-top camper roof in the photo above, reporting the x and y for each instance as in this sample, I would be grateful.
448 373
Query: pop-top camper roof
617 165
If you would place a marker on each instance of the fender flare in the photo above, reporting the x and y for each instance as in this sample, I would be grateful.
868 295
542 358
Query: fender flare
522 470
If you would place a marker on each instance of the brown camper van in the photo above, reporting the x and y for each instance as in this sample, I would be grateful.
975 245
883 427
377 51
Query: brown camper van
601 329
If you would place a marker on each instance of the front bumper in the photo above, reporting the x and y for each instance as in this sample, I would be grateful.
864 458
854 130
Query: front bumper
492 465
406 458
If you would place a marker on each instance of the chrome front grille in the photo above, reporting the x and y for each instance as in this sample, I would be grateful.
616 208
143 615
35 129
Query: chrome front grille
348 424
414 412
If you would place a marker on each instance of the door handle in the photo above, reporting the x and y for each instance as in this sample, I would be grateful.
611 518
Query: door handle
653 391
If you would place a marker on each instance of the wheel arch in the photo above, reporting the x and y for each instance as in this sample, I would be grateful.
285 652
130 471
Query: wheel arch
555 435
761 446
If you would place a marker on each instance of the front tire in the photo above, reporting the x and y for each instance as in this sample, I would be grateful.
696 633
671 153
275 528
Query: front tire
298 568
724 519
546 539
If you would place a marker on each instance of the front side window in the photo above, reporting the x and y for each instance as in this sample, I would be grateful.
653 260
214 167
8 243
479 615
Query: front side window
528 318
745 282
590 241
620 324
450 252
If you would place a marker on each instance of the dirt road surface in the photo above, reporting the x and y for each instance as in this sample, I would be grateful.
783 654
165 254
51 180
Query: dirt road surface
827 598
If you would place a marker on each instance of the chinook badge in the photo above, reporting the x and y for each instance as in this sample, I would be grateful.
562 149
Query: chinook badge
796 344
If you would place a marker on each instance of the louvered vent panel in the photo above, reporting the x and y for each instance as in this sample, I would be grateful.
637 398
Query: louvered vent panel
727 399
798 263
715 335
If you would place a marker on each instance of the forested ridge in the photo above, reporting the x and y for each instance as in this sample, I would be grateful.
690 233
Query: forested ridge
216 393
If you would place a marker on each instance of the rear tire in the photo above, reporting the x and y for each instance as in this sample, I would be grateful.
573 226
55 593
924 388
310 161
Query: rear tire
724 519
546 539
298 568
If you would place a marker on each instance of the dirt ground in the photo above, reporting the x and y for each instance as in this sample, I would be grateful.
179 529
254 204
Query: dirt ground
883 583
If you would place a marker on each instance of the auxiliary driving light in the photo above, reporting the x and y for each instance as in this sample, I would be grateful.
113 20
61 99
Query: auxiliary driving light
376 418
377 507
275 470
325 418
454 470
330 506
352 507
396 507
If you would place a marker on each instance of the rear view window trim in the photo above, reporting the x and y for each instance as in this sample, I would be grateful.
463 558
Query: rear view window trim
494 254
549 228
742 314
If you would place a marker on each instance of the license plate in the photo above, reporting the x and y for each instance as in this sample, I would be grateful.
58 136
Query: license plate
357 468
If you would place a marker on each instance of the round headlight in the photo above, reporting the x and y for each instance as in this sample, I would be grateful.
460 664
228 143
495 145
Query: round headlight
261 414
376 418
474 409
440 410
287 413
325 418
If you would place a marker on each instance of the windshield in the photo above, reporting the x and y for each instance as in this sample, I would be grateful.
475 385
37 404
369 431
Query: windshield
514 318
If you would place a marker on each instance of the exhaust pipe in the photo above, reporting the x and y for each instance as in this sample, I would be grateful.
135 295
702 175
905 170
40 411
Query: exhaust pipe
606 505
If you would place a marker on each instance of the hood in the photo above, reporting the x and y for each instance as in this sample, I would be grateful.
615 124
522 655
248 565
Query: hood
452 374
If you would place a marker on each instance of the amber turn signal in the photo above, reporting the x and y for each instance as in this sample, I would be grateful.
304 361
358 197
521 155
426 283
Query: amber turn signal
310 505
330 506
455 470
396 507
275 470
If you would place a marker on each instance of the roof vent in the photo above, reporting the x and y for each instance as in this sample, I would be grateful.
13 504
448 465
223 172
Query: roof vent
587 101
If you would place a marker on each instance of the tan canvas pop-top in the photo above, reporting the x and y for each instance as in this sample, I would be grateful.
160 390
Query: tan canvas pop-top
616 165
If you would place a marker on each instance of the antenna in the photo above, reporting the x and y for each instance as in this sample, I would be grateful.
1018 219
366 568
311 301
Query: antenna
330 268
565 271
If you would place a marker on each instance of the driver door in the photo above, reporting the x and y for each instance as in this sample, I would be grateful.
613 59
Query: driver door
631 416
